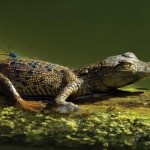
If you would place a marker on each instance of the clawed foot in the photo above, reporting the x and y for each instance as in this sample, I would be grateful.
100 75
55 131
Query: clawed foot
67 108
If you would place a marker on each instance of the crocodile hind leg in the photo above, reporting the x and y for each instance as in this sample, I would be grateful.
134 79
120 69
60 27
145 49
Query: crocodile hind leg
10 92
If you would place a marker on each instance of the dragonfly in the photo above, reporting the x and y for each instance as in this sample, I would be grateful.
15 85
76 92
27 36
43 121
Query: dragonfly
10 54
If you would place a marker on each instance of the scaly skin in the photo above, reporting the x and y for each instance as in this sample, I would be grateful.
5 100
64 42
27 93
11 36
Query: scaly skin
26 77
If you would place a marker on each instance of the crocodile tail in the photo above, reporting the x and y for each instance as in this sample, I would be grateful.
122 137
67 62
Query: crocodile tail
35 106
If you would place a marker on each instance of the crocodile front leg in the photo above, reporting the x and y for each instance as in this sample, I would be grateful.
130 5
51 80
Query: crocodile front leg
62 105
10 92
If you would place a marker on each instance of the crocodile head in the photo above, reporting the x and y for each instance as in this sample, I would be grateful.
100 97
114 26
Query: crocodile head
121 70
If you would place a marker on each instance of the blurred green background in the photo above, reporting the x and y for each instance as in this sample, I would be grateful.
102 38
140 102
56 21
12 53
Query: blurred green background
75 32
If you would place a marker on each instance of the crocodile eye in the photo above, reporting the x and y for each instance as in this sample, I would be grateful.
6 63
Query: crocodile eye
125 64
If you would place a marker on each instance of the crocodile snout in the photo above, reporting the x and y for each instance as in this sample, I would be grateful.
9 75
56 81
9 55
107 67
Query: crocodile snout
143 69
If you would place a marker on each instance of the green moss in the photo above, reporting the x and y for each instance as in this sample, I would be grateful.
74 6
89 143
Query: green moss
123 127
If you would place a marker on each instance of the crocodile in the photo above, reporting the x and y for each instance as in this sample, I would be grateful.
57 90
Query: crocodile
20 78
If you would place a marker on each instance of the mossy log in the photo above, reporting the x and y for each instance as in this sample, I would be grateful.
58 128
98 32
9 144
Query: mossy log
117 121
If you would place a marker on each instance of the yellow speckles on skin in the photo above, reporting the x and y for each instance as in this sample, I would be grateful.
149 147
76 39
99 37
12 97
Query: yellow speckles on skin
45 82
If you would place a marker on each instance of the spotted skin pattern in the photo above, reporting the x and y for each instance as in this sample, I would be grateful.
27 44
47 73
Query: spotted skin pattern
31 77
36 78
21 78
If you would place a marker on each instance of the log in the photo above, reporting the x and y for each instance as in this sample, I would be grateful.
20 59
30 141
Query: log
117 121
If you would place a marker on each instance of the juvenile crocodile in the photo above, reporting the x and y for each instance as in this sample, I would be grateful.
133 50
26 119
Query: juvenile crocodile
28 77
